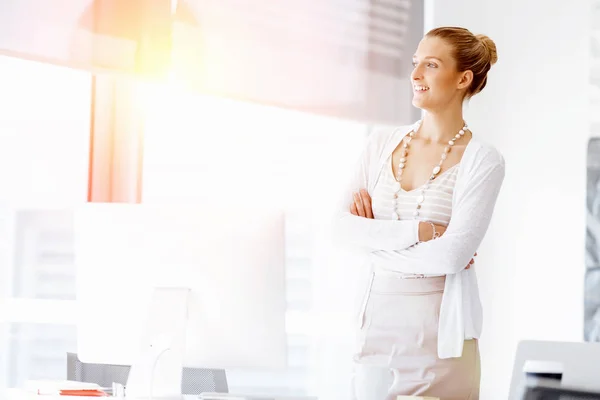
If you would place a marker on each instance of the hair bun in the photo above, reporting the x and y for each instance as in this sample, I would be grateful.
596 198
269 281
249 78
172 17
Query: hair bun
490 46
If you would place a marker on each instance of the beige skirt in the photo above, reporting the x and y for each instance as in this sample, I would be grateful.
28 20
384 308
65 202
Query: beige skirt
397 345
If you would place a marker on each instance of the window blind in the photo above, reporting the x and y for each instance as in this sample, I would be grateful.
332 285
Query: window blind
346 58
349 58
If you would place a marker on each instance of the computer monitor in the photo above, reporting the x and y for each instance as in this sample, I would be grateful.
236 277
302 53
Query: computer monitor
160 287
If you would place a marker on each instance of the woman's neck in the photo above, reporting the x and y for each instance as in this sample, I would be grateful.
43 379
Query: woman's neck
441 127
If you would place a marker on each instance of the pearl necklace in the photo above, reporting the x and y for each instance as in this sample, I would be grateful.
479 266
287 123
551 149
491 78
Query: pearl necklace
436 170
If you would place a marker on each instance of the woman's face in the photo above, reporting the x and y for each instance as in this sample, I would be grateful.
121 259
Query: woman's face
435 79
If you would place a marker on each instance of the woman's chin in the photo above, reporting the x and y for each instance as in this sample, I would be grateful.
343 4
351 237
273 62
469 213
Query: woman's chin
418 102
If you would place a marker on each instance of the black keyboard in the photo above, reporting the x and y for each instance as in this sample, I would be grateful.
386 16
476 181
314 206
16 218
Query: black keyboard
549 389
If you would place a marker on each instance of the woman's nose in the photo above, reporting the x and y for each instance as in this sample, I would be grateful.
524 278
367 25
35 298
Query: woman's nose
417 73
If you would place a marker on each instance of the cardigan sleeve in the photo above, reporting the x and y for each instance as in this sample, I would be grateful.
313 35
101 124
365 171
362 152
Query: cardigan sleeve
470 219
365 233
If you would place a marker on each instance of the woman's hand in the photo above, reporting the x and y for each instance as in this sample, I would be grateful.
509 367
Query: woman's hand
471 262
426 230
361 207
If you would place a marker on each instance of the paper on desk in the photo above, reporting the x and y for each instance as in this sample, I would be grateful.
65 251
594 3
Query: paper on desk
84 393
53 387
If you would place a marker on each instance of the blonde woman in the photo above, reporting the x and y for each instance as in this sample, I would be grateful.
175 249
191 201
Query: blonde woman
420 204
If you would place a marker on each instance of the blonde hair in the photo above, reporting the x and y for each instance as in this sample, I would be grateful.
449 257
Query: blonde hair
476 53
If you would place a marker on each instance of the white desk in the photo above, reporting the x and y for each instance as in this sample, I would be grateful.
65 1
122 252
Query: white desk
18 394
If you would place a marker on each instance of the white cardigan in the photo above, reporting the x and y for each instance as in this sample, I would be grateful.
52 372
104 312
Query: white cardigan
393 245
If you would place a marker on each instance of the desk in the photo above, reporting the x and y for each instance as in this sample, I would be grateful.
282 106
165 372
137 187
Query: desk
19 394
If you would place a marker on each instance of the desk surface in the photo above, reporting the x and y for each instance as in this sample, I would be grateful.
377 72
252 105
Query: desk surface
19 394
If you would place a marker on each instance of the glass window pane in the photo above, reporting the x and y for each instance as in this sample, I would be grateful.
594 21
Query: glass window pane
34 351
44 133
44 156
44 259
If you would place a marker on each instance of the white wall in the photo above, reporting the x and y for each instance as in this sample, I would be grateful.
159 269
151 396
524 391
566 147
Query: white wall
535 110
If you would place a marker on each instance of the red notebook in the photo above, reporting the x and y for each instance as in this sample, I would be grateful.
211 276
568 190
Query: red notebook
80 392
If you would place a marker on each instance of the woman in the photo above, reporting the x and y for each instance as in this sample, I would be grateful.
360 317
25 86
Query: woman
420 204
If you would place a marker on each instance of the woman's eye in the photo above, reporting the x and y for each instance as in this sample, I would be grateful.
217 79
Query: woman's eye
429 65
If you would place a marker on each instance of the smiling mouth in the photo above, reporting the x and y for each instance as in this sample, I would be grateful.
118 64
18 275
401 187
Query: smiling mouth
420 88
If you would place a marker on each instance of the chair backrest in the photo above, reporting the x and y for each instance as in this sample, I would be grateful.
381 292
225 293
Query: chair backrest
580 362
193 382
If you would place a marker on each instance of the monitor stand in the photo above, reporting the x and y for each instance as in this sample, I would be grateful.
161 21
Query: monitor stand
158 368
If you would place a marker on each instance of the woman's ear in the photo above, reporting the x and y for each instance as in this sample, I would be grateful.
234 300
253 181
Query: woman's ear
465 79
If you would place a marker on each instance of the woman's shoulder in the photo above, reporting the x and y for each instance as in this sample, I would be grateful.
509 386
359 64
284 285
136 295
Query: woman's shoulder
483 154
481 160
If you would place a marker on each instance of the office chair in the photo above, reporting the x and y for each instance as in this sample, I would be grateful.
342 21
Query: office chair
193 382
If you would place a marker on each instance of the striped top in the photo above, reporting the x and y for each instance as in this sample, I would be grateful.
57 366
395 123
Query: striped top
436 208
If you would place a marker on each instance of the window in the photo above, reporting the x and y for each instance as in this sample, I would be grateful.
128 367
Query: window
44 147
595 71
592 279
197 146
